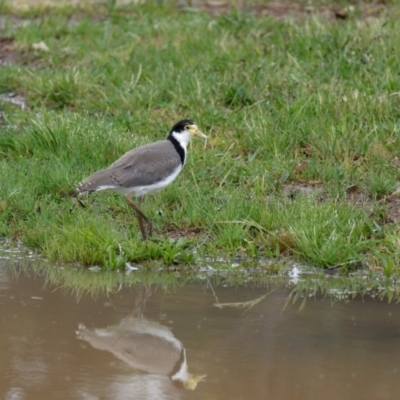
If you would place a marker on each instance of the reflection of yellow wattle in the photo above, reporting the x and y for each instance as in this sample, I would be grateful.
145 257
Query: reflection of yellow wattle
193 380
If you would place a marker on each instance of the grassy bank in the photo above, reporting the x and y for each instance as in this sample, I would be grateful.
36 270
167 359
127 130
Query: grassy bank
302 112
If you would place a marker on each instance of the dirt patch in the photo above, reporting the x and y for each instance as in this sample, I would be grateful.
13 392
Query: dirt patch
184 232
23 5
393 209
13 98
391 204
358 197
8 52
284 9
354 194
305 189
9 55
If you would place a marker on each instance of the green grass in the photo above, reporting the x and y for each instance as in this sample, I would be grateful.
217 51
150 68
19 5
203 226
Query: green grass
285 102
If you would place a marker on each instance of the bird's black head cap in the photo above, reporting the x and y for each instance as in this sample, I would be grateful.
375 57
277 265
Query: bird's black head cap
180 126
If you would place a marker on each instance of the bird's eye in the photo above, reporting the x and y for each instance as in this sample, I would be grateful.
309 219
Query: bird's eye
187 128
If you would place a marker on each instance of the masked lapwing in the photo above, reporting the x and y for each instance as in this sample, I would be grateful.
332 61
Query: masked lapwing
146 346
145 169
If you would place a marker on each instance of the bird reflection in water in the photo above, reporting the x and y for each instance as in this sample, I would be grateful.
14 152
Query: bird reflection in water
144 345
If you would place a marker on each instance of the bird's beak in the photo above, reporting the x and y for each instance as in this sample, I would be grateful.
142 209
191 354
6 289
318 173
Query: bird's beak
196 132
192 381
201 134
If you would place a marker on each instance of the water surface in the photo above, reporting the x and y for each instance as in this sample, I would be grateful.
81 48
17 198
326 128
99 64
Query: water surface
128 344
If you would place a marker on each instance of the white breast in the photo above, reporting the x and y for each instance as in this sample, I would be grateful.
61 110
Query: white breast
156 187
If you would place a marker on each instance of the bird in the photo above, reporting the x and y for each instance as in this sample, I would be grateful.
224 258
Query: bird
146 346
145 169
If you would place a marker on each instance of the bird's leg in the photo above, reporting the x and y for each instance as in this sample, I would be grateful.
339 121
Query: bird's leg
148 220
140 302
140 216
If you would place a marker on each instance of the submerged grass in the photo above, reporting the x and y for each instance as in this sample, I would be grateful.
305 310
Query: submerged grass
309 285
300 102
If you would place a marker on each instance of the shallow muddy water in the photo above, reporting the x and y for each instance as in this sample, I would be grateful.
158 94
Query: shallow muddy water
128 344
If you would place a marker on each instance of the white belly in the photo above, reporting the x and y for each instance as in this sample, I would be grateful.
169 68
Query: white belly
143 190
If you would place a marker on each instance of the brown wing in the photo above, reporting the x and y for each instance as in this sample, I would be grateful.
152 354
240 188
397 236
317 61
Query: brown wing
145 165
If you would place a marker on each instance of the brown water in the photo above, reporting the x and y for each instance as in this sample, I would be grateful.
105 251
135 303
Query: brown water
326 351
